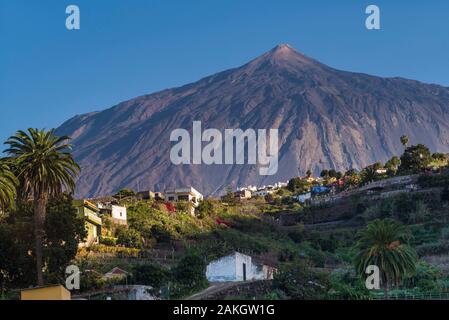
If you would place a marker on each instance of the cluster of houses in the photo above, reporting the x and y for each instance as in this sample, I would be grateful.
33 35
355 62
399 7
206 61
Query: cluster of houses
253 191
96 210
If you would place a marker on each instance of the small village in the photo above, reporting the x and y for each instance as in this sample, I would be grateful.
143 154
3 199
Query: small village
330 188
251 242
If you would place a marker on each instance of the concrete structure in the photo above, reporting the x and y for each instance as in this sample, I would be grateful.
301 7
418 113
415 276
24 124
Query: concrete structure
237 267
150 195
302 198
146 195
93 223
242 194
54 292
262 192
189 194
116 212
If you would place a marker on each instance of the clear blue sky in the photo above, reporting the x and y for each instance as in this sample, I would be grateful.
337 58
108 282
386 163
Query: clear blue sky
128 48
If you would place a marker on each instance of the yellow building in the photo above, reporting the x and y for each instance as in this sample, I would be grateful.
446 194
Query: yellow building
92 221
54 292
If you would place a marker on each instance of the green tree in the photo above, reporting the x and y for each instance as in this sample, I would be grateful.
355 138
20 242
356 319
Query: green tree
332 173
8 184
309 173
415 158
404 140
324 173
64 229
128 237
151 275
393 164
205 208
440 157
352 179
229 197
17 267
298 185
189 275
368 174
384 244
45 168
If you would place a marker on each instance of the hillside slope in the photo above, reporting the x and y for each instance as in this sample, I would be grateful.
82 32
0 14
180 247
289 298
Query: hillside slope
326 119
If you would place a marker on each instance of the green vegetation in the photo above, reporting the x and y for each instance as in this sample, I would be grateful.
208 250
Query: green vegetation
415 159
384 244
44 166
320 250
64 229
8 184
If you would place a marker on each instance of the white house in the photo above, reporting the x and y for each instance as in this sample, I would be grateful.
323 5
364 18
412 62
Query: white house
237 267
116 212
189 194
263 192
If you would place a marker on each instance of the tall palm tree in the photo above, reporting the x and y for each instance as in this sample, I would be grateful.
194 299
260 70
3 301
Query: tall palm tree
404 140
8 185
45 168
384 244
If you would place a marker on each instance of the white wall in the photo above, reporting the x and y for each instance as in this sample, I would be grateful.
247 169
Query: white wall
239 261
222 269
230 268
119 213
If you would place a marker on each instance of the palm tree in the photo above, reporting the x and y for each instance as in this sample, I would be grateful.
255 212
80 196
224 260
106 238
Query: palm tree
369 174
8 185
309 173
45 168
384 244
404 140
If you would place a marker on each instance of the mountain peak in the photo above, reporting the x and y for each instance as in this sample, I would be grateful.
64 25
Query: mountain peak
285 55
283 50
284 47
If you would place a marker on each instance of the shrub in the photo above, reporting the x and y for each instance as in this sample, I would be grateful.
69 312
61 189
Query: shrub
108 241
129 237
299 282
205 208
189 275
151 275
347 286
184 206
161 234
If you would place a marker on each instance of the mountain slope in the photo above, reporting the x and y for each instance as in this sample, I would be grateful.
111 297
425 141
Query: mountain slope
326 119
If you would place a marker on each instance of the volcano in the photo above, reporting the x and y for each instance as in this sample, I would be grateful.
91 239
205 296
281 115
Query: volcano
326 118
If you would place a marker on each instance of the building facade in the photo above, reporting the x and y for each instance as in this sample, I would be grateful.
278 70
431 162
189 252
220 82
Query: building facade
117 213
189 194
237 267
92 221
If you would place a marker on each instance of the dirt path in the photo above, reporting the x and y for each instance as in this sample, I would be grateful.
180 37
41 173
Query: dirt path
214 288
